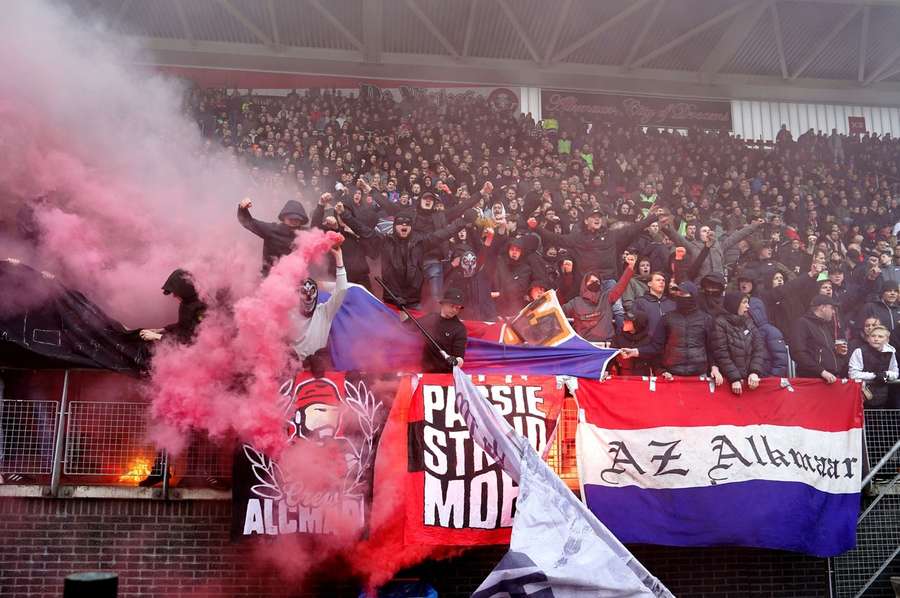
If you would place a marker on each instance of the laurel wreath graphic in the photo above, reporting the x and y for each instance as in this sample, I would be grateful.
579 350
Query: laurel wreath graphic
272 482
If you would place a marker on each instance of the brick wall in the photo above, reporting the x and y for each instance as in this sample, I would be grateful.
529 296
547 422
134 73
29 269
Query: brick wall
181 548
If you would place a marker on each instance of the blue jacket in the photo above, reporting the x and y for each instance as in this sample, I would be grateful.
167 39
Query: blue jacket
776 349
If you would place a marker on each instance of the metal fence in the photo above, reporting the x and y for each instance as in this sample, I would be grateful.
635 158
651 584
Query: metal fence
94 442
107 439
27 430
865 570
882 429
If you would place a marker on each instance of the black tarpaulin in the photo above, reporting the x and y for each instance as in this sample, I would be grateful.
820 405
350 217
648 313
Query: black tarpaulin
45 325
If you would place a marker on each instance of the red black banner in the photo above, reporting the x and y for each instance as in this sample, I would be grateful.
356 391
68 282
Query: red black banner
455 493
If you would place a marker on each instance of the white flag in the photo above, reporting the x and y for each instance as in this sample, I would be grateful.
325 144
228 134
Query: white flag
559 549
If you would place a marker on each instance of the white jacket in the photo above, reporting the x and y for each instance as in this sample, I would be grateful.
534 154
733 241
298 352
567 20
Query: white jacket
311 334
855 368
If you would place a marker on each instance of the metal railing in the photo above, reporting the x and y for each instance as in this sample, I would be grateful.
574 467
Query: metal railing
865 569
27 432
85 442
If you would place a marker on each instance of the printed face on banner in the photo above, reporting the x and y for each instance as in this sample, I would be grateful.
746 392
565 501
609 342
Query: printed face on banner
332 430
459 494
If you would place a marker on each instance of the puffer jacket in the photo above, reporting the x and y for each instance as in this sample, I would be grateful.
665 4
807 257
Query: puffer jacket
683 340
738 347
776 358
277 237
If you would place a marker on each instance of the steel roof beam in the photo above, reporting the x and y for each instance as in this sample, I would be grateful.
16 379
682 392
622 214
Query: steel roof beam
734 37
432 28
336 23
599 30
639 41
825 41
520 30
722 16
251 27
779 40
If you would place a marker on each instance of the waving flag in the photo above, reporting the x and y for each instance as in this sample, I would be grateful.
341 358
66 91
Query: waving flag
558 547
675 463
367 335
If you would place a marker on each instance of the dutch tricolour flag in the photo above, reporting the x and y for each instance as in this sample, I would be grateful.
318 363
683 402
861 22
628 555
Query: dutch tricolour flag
680 464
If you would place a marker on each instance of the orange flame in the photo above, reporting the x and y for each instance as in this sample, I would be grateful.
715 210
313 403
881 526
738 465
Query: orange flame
138 469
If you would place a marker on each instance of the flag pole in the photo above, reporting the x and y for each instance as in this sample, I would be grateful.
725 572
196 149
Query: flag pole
451 361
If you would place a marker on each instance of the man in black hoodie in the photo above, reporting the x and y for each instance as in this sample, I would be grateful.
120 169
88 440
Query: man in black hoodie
278 237
191 309
402 253
595 248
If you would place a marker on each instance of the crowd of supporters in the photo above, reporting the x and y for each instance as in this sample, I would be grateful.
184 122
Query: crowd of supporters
697 252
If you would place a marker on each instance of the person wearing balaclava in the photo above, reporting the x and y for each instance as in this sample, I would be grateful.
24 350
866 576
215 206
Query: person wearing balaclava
514 275
469 273
427 219
712 293
191 309
402 253
278 237
737 344
682 340
591 311
312 322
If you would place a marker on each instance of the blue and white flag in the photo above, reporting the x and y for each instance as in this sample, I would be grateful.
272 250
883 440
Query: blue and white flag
559 549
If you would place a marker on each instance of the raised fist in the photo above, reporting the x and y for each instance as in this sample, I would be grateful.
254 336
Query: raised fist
245 204
488 188
325 198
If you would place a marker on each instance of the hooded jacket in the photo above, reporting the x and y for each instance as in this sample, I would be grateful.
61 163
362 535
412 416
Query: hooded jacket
277 237
190 308
592 310
737 345
513 279
597 251
776 363
402 260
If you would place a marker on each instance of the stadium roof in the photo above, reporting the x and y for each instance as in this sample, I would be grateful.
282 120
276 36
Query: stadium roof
821 50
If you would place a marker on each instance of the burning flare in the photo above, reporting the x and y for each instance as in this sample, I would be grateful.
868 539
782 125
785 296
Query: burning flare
138 469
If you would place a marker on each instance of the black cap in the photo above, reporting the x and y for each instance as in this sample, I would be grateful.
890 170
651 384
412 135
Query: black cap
822 300
890 285
454 296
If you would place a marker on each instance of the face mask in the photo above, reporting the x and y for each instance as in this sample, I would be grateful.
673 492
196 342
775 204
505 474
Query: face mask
593 286
309 295
467 264
685 304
